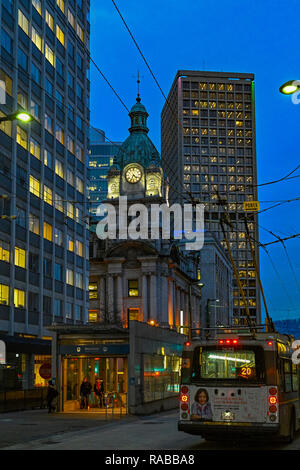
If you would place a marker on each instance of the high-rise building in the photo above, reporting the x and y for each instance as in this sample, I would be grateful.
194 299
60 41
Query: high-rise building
208 145
100 159
44 66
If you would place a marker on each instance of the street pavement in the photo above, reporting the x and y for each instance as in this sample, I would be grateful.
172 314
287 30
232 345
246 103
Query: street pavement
36 430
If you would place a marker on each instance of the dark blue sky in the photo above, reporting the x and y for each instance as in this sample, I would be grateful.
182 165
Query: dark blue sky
259 37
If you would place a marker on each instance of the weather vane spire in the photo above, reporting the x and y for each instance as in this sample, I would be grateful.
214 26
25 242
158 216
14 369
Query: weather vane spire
138 87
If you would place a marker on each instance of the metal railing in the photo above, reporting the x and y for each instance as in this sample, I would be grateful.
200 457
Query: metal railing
115 404
18 400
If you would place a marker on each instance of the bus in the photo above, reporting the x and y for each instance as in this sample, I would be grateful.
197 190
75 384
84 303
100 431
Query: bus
238 384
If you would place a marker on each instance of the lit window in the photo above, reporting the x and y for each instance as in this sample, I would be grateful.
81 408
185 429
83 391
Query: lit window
133 288
47 158
71 145
93 316
49 54
79 184
34 224
71 19
35 148
70 243
19 298
36 38
48 123
4 294
79 32
6 125
34 186
61 5
59 203
60 35
59 168
59 134
79 248
70 210
37 5
48 195
48 231
4 251
23 22
49 20
93 291
20 257
22 137
70 277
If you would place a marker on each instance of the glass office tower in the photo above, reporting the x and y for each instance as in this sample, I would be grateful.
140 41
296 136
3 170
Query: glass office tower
100 159
208 145
44 65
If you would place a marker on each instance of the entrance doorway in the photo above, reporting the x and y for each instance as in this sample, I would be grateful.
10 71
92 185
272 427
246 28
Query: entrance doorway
113 371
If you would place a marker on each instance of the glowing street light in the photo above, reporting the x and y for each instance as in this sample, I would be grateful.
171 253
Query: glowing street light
22 116
290 87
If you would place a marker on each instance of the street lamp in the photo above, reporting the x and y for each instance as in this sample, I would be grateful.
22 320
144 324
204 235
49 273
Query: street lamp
22 116
290 87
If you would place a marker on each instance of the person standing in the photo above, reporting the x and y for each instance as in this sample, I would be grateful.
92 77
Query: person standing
52 393
99 391
85 390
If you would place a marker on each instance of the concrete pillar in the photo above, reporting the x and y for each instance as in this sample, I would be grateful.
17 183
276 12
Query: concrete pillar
102 298
145 298
110 298
164 299
119 318
153 297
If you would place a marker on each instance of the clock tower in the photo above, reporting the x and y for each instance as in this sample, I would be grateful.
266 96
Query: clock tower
137 171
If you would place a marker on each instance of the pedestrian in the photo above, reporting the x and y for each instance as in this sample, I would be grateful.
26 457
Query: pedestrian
52 393
99 391
85 390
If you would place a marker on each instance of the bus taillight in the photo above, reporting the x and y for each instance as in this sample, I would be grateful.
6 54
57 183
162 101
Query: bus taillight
228 342
272 391
273 409
272 400
184 398
184 406
184 389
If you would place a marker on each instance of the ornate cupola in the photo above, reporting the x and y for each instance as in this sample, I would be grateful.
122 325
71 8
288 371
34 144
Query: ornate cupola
138 116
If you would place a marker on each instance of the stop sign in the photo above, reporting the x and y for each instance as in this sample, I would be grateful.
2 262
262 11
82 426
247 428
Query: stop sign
45 371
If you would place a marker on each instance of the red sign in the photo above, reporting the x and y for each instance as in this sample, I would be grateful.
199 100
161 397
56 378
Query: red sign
45 371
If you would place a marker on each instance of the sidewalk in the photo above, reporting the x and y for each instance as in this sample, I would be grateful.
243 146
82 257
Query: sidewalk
153 432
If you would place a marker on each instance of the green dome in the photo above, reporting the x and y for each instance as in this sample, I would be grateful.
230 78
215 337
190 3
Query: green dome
138 148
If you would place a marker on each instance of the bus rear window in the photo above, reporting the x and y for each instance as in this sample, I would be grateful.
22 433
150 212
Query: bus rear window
221 364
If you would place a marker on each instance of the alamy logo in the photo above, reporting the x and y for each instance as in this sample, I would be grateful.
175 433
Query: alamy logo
140 222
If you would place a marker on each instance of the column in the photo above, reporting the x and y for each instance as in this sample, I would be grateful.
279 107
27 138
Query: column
119 315
153 297
110 298
103 313
164 299
171 302
145 298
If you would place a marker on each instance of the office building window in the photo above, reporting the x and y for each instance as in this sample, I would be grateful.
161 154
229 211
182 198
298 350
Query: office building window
70 277
22 137
59 168
58 237
48 231
69 310
57 308
4 251
79 280
37 5
36 38
48 158
133 288
60 35
70 243
20 257
4 294
58 272
79 248
19 298
35 148
93 291
23 22
48 195
49 54
49 20
34 224
34 186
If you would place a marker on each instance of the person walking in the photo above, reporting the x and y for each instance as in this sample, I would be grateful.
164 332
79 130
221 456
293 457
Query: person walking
52 393
85 390
99 391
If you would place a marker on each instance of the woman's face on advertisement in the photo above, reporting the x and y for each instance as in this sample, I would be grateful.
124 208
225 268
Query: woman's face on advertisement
202 398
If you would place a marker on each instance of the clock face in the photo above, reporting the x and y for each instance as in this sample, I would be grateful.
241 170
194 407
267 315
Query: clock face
133 174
